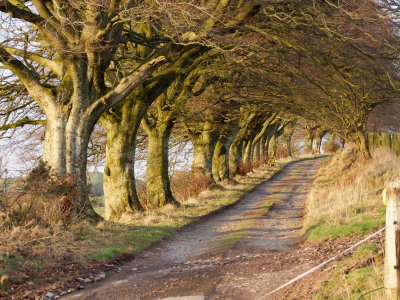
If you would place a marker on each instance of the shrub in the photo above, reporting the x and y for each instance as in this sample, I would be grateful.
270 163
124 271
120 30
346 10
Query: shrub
282 152
244 168
186 184
141 190
257 164
330 147
40 197
34 213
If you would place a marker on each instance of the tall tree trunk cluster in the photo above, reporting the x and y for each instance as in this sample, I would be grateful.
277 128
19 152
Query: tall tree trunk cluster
98 63
249 140
79 63
385 140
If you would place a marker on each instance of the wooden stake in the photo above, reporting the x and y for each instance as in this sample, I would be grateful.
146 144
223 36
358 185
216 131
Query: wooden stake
392 243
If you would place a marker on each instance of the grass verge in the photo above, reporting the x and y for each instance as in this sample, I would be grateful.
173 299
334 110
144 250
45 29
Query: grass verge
357 277
346 201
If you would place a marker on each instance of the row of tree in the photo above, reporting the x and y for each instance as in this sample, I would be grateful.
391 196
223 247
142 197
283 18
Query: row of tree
231 76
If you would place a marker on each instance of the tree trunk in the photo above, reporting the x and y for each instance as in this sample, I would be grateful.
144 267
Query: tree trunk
261 146
266 147
272 149
65 152
317 145
257 150
54 146
235 157
203 149
120 194
362 144
318 141
309 143
119 175
158 185
220 162
236 145
288 142
247 154
258 143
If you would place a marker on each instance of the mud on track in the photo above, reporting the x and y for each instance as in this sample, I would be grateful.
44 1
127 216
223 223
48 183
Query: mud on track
241 253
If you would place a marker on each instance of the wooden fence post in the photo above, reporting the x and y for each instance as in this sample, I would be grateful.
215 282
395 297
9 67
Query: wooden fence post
391 197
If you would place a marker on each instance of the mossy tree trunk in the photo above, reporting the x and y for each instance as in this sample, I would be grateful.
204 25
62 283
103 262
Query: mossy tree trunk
158 124
287 137
235 148
272 149
260 137
220 161
257 150
158 184
278 130
309 138
119 183
362 144
204 140
261 147
288 143
247 152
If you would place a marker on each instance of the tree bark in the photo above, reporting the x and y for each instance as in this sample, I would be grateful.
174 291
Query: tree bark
235 157
266 147
272 149
287 136
235 149
318 141
309 143
261 147
54 147
288 142
257 150
220 162
203 150
362 144
119 184
247 153
158 184
65 152
259 139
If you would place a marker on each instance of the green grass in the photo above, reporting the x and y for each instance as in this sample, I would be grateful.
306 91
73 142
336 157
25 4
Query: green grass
11 260
9 264
106 253
360 280
324 230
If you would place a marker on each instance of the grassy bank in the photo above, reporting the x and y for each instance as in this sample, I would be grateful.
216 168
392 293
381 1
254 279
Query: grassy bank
28 251
346 201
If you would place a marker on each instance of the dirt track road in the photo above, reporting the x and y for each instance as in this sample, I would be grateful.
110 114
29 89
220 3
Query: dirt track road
239 253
